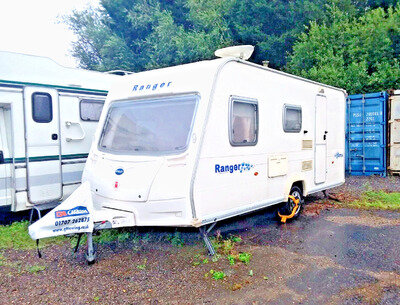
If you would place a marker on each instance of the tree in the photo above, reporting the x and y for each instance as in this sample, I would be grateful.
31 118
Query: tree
360 54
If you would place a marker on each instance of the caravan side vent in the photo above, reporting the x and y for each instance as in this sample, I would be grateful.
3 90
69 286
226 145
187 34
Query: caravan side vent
306 166
307 144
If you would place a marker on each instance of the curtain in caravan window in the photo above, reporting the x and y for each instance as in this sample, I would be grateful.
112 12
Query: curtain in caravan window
244 123
292 119
91 110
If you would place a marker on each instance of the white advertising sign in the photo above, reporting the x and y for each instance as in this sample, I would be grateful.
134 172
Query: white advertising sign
74 215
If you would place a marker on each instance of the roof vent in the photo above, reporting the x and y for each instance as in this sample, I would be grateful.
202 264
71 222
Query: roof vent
242 52
119 72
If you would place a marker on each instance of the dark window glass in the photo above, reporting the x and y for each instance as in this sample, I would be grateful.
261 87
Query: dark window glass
42 107
90 110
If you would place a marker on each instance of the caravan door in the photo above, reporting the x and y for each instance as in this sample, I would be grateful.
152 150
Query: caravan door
43 153
321 135
5 160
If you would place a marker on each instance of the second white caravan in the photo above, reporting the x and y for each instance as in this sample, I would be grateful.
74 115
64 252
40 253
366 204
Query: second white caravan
194 144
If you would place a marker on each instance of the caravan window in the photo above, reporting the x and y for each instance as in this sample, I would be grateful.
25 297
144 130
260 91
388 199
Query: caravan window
42 107
243 122
158 126
292 118
90 110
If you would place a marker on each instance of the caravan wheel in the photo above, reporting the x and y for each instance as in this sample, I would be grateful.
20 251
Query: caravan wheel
287 207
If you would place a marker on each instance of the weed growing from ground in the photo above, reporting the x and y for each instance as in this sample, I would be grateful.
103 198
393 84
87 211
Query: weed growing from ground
176 239
143 266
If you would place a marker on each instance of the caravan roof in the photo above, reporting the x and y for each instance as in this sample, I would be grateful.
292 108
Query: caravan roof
30 69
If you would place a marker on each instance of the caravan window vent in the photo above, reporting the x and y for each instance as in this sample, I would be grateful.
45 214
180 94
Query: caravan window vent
90 110
292 118
243 122
42 107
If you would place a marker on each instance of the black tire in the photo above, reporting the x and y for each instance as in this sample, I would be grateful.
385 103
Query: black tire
286 208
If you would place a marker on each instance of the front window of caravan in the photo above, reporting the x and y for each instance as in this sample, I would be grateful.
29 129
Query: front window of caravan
149 127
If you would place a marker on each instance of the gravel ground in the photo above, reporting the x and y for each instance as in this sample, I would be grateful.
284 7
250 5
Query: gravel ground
329 255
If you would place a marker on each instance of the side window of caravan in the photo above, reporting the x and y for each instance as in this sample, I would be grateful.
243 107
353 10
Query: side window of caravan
243 122
292 118
42 107
90 110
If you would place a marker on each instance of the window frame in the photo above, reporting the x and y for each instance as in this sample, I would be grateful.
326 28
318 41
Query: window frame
150 99
33 107
245 100
292 107
92 101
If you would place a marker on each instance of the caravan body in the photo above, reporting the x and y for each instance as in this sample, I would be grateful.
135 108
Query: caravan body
193 144
48 116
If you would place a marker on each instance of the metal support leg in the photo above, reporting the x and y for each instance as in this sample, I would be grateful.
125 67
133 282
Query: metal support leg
204 234
78 242
91 255
325 194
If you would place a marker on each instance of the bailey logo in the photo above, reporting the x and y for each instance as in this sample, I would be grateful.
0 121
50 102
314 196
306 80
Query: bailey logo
76 211
119 171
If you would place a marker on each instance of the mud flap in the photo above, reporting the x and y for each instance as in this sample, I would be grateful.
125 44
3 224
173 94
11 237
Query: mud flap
74 215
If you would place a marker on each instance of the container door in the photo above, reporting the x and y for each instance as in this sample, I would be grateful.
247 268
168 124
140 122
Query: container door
321 135
42 145
366 134
394 124
5 160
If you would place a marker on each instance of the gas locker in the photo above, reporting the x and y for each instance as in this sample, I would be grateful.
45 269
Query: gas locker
366 134
394 132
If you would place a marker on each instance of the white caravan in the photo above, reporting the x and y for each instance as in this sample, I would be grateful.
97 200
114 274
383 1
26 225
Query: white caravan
48 115
194 144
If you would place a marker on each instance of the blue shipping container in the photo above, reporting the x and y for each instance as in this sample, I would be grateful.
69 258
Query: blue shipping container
366 134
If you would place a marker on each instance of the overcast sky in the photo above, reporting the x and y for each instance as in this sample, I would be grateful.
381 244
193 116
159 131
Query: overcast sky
32 27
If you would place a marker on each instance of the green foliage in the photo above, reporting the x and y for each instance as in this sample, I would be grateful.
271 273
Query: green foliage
226 246
378 200
360 54
15 236
231 259
142 266
216 275
176 239
244 257
35 268
146 34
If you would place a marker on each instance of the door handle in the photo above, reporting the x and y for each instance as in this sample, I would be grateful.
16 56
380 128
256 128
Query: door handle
69 124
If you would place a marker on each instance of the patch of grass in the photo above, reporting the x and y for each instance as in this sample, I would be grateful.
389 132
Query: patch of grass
35 268
15 236
176 239
142 266
378 200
